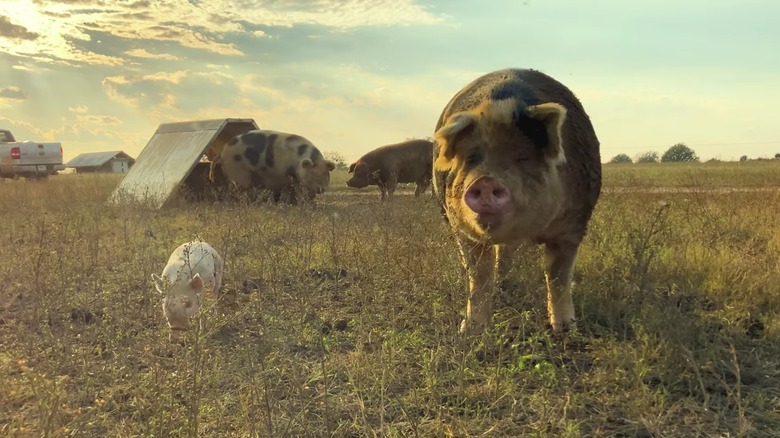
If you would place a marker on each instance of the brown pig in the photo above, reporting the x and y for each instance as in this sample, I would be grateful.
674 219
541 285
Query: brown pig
386 166
516 160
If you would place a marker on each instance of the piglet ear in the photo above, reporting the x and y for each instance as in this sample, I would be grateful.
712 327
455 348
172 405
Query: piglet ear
196 282
330 165
352 167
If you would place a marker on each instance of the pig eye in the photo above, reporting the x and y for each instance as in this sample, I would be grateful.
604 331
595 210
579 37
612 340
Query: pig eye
473 159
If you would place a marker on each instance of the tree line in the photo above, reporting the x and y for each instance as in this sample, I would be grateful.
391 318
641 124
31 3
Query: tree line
679 153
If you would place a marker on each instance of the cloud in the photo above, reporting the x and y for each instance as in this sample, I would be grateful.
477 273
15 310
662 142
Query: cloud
176 32
51 27
101 120
13 93
142 53
175 94
340 14
15 31
27 67
81 109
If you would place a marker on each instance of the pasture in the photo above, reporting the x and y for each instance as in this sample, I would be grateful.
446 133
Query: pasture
341 320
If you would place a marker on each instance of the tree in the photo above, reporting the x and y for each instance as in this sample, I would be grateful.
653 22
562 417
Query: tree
679 153
777 156
337 158
621 158
743 158
648 157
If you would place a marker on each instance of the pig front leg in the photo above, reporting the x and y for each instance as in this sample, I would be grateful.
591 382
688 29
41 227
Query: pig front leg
504 263
392 183
560 257
479 260
422 185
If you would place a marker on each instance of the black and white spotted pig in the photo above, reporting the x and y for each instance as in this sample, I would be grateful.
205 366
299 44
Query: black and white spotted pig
286 165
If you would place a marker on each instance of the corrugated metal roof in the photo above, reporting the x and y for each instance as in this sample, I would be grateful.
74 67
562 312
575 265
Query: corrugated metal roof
170 155
91 159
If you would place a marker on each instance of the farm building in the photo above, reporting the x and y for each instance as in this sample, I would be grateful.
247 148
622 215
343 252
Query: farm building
109 162
173 155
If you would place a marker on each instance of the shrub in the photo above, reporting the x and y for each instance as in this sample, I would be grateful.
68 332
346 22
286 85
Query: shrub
621 158
647 157
679 153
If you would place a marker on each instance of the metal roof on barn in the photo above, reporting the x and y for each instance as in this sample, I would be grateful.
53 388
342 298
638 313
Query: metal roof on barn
171 154
94 159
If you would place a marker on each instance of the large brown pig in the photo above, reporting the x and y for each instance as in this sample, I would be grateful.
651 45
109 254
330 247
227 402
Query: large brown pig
516 160
406 162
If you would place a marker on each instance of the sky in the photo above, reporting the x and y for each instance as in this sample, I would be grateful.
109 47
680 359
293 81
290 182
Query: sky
353 75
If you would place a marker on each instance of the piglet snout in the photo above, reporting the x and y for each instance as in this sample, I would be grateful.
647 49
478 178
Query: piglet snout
487 196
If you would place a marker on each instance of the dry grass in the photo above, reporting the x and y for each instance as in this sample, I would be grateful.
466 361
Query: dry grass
715 174
342 319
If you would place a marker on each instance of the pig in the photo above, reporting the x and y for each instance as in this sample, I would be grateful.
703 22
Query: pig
287 165
516 160
190 268
406 162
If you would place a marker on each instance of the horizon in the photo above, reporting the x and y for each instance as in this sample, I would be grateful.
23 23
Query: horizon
354 75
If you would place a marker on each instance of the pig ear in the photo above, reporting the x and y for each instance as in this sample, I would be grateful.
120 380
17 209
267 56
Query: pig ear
552 115
352 167
157 282
307 163
196 282
457 125
331 166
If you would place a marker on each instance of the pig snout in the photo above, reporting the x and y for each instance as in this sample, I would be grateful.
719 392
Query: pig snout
487 196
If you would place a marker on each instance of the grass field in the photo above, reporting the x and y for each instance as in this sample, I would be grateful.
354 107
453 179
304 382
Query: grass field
341 320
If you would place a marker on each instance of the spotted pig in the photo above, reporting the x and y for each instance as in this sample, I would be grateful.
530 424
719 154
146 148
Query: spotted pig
286 165
386 166
516 160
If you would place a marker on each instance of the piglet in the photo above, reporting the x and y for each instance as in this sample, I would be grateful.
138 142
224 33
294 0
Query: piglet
191 267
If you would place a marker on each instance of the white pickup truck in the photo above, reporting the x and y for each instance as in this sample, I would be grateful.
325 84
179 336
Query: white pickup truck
28 159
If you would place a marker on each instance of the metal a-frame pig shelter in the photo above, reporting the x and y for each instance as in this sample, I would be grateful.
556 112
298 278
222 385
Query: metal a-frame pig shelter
171 154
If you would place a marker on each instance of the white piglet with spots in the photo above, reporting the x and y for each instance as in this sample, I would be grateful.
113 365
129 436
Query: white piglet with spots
191 268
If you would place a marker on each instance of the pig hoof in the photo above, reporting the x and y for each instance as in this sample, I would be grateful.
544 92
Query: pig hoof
469 328
564 326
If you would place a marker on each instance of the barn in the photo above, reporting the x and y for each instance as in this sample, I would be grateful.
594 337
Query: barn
108 162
